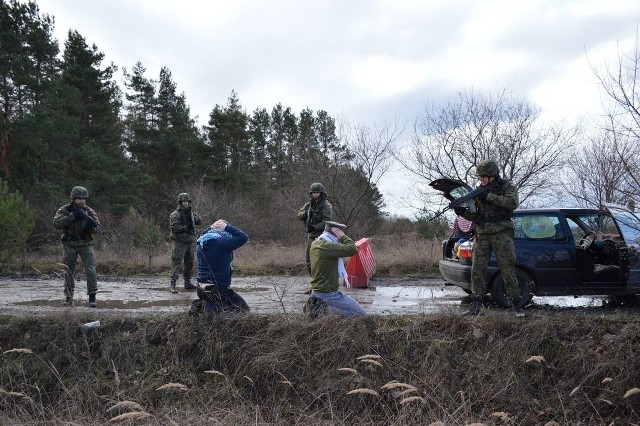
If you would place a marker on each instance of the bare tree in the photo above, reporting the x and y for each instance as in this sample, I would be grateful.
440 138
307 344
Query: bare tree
594 176
352 181
450 140
621 86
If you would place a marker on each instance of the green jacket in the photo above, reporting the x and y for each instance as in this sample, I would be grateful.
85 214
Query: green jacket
183 222
321 211
324 262
496 212
76 233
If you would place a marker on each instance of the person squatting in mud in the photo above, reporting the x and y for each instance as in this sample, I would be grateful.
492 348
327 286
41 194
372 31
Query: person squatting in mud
327 267
214 251
78 223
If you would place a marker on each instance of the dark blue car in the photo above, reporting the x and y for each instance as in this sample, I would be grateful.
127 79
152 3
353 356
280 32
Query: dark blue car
559 252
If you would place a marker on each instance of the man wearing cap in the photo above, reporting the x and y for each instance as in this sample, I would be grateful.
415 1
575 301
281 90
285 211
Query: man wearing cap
327 267
78 223
314 214
183 221
494 232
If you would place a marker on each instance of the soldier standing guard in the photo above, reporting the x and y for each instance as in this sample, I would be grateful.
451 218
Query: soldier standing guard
78 223
183 221
315 213
494 233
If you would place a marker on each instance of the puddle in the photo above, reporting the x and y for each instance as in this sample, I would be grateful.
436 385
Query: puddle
265 295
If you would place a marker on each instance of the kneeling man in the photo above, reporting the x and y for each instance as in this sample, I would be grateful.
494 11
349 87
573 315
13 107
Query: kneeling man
326 255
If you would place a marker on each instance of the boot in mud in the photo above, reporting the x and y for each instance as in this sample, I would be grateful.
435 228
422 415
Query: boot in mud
475 309
92 301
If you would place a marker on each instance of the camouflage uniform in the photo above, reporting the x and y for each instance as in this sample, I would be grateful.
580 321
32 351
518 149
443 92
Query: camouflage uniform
182 222
495 232
77 240
314 214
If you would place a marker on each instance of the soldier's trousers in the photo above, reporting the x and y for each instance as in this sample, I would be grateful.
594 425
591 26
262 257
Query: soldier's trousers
87 256
500 243
182 253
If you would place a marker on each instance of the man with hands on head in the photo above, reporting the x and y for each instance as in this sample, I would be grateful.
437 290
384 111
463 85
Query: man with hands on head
215 247
327 267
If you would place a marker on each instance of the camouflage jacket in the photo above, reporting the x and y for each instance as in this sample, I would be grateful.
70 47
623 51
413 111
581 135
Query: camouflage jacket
495 213
76 233
183 222
320 210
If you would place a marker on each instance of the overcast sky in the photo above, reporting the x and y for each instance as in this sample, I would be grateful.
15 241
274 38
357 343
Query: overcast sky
366 61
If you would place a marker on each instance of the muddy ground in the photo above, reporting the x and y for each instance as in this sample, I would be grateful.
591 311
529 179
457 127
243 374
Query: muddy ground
271 294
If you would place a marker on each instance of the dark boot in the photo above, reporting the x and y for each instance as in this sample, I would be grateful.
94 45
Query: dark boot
518 307
173 287
68 300
188 285
92 301
476 306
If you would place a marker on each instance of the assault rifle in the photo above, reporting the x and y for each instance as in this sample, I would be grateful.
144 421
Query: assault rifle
461 200
94 223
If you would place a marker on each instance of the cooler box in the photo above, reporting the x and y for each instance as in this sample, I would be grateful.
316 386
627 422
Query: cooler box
362 265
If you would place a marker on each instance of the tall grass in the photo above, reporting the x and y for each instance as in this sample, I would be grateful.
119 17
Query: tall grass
248 369
394 254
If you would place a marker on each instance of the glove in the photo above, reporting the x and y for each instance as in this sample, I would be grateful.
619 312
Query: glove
483 197
460 210
311 229
75 210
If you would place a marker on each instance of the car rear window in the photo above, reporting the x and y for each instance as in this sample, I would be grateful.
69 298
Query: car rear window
538 227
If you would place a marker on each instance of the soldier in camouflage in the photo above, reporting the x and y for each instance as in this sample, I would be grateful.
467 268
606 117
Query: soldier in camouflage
183 221
494 232
314 214
78 223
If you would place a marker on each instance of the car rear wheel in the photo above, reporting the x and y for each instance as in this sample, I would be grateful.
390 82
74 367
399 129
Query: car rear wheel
499 295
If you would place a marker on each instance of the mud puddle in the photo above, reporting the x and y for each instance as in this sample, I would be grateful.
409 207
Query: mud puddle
151 295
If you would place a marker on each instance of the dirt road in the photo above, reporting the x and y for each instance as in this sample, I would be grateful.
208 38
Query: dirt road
271 294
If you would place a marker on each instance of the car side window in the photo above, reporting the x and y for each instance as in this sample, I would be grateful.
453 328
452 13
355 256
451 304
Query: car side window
538 227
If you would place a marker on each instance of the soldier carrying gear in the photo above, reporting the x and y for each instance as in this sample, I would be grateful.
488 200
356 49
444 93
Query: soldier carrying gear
314 214
78 223
494 233
183 222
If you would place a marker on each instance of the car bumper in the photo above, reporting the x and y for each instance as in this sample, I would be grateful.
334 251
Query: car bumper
455 273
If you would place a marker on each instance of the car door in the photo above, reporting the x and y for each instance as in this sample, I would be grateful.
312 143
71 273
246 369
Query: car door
544 247
627 224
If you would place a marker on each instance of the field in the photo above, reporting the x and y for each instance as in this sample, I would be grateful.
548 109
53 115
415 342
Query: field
556 367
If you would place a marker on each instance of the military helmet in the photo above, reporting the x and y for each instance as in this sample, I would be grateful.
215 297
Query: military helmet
79 192
317 187
183 197
487 168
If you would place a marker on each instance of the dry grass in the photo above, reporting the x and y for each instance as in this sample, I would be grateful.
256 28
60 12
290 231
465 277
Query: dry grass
265 370
396 255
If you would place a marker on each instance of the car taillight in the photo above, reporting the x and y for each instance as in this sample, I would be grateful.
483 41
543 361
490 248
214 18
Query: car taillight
465 251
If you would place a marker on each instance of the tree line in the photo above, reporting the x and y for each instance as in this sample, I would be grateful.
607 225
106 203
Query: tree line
65 121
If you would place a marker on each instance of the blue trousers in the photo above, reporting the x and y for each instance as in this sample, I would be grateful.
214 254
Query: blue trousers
340 304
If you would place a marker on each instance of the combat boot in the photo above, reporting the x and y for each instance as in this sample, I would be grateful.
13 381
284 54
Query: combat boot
518 308
173 287
475 308
188 285
92 301
68 300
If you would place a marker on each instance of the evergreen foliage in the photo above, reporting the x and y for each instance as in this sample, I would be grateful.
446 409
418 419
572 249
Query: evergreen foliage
65 122
16 225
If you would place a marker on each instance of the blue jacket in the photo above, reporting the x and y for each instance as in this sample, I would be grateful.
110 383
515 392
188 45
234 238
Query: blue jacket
215 254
